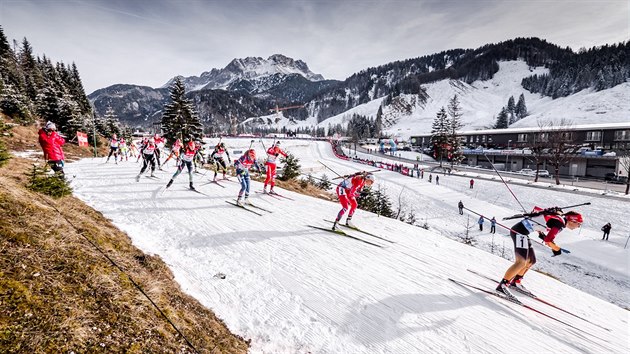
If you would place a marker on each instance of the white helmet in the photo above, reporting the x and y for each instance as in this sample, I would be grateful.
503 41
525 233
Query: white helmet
50 126
369 177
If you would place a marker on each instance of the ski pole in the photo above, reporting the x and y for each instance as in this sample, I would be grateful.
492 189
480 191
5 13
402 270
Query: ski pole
512 230
505 183
250 144
263 144
333 171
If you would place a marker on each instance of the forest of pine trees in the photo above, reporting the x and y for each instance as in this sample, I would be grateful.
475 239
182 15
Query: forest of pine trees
34 88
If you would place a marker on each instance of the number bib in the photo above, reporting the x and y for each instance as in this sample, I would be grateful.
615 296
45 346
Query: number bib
522 241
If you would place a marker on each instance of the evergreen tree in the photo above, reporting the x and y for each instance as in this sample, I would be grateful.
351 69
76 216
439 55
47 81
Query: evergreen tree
502 119
511 108
12 103
291 168
454 126
33 78
47 106
179 119
440 135
378 123
521 108
324 183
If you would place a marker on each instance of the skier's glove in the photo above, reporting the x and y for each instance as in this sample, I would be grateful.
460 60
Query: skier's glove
541 235
557 253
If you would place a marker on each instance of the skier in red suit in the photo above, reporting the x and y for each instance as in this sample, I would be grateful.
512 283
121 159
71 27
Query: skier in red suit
347 191
272 154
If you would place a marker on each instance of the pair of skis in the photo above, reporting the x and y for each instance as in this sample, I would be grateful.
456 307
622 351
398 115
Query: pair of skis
255 209
274 195
343 233
516 302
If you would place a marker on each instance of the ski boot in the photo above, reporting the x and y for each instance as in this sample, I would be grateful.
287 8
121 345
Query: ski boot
271 191
138 178
190 185
349 222
265 190
152 174
169 183
334 227
246 201
239 202
516 285
502 290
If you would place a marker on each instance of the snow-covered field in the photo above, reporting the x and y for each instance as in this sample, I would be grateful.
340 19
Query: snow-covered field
294 289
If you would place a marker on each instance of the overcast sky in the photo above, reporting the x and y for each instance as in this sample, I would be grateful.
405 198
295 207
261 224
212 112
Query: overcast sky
147 42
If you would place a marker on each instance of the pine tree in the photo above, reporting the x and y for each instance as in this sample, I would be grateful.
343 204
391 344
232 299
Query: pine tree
378 123
179 119
440 135
521 108
291 168
511 107
324 183
454 126
502 119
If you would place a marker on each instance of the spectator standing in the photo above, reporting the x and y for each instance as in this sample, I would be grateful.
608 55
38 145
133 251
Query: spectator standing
493 225
437 180
430 178
480 222
460 206
606 228
51 142
472 183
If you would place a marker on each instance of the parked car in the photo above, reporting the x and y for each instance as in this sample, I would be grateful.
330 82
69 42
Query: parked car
615 178
530 172
527 172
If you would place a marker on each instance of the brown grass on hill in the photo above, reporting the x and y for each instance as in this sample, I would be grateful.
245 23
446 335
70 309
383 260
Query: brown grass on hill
58 293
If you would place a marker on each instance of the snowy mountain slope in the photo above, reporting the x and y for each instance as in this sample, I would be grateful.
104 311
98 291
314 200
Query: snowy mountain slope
293 289
482 101
253 69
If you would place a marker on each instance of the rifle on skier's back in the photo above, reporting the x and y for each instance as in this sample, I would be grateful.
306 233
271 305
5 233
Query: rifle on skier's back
548 211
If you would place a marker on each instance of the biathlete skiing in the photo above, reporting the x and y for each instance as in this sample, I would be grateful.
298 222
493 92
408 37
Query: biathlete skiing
547 223
113 148
242 166
190 149
219 161
272 155
147 151
347 191
177 146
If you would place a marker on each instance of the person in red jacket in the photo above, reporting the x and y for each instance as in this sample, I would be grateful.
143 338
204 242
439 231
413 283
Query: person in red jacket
272 154
347 191
51 142
547 223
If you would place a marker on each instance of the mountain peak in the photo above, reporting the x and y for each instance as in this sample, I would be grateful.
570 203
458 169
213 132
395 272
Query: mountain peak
250 69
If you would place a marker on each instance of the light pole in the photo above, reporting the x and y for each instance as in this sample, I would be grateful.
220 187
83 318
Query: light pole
507 158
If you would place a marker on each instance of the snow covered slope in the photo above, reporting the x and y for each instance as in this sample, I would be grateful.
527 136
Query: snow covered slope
294 289
482 101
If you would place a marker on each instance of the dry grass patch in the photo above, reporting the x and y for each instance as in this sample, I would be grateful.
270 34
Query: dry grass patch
59 294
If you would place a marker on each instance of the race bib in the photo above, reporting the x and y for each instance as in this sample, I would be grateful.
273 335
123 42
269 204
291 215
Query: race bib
522 241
